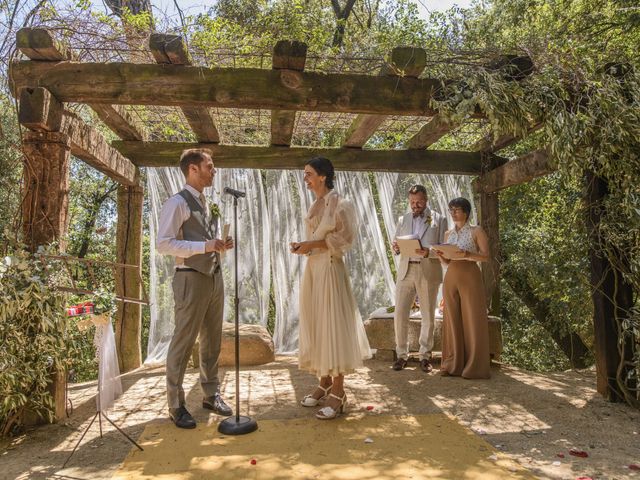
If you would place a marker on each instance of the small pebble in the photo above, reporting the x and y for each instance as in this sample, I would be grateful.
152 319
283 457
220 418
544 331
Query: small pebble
368 440
556 463
493 457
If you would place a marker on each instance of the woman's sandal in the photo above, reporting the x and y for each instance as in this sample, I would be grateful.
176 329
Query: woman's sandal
311 401
328 413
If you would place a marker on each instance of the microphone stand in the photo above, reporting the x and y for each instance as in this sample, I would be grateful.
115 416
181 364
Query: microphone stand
238 425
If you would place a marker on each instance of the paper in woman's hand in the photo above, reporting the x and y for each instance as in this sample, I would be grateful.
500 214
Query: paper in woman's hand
450 252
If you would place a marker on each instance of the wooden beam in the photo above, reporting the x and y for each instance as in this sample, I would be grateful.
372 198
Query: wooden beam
166 154
172 50
90 146
489 218
405 62
40 44
287 55
613 299
138 84
120 121
45 209
515 172
430 132
129 281
39 110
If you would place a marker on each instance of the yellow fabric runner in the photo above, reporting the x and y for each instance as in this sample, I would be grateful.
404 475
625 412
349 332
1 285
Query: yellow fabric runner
402 447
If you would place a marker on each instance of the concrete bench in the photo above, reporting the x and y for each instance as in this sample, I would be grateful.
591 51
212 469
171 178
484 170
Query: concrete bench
379 328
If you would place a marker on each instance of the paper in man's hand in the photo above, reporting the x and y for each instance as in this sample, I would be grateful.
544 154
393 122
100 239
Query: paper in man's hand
408 244
225 234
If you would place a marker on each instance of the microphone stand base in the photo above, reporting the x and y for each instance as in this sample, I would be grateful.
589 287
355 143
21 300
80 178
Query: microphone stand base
237 425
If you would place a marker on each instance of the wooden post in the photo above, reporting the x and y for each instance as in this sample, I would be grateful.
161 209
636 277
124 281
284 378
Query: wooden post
488 205
612 299
129 251
46 183
44 214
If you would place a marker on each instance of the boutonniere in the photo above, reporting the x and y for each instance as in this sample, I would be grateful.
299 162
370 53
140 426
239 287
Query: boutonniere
214 210
427 219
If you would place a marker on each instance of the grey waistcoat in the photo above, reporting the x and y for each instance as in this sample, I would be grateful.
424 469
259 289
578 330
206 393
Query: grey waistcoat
197 229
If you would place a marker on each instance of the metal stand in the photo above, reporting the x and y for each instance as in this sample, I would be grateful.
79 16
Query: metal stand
238 425
99 416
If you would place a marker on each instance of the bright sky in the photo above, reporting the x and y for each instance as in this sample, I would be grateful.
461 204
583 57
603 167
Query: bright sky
198 6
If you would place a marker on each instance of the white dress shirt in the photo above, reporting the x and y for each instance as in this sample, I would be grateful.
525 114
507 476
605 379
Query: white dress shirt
174 213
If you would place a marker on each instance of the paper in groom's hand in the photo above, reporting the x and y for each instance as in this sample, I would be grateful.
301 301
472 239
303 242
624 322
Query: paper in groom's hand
225 236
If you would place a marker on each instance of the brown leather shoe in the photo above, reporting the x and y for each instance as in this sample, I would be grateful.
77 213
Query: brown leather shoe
425 365
399 364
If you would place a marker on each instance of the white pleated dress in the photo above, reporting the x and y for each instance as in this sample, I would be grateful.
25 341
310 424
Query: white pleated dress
332 338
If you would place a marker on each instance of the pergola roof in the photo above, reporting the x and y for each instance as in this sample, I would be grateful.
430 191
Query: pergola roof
274 115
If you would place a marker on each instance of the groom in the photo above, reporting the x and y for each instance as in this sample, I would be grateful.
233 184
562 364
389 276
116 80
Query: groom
186 230
417 274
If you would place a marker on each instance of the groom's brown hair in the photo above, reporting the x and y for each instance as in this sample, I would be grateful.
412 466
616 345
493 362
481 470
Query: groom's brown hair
193 156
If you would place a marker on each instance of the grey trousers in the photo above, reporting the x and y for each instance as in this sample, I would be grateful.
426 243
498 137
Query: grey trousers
199 306
406 289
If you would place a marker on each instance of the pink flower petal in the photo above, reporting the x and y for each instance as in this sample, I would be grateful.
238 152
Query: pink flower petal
369 407
253 461
578 453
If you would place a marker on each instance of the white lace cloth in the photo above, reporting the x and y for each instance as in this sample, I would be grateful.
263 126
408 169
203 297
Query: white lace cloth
109 384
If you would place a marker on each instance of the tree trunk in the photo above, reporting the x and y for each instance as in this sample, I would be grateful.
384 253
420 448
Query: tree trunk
342 14
90 222
569 343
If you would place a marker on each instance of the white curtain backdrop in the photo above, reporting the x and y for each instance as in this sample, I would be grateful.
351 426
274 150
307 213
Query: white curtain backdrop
269 218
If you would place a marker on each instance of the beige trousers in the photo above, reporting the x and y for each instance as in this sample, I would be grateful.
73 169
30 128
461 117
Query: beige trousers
199 306
414 283
465 328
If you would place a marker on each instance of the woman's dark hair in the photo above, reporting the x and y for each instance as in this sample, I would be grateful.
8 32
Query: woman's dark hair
324 167
461 203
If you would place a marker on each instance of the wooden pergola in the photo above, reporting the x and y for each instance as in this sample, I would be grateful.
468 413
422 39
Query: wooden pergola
50 78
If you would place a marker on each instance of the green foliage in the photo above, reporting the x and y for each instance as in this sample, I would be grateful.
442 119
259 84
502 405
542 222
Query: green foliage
544 242
33 338
10 163
585 93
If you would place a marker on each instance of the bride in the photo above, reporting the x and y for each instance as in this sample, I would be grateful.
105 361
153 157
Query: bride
332 337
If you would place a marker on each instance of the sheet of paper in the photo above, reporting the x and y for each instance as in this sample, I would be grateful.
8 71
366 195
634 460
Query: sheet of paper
449 251
408 245
225 234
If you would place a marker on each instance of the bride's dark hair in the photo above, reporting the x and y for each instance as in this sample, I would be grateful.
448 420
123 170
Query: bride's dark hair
324 167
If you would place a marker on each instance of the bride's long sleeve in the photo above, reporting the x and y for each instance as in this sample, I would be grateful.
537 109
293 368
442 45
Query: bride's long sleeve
339 241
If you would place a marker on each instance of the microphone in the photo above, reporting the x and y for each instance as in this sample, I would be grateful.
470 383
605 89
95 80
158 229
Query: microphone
235 193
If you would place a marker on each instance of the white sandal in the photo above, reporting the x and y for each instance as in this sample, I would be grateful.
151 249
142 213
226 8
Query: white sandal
328 413
311 401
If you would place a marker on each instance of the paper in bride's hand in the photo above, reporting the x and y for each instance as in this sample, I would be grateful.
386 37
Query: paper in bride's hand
450 252
408 244
225 234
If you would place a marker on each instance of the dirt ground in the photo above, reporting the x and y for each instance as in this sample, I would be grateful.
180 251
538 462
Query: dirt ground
531 417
